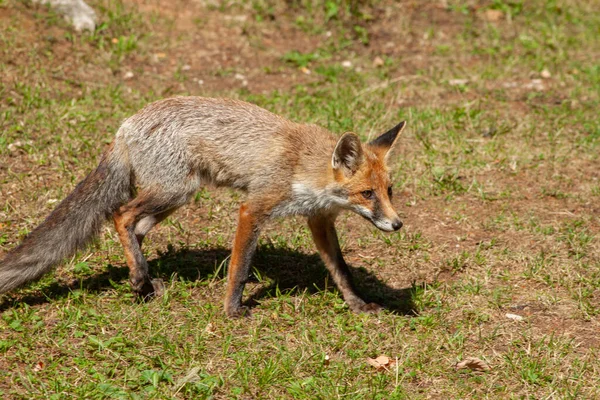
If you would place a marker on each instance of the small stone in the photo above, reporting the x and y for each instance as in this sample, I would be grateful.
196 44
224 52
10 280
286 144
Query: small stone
186 68
514 317
305 70
378 62
535 84
239 77
18 145
458 82
236 18
128 75
346 64
545 74
490 132
200 82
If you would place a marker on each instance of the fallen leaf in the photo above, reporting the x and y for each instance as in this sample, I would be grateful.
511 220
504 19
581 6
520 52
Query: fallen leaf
191 376
381 363
472 363
38 366
209 328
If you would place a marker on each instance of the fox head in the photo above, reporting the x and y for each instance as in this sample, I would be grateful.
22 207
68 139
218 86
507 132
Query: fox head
362 172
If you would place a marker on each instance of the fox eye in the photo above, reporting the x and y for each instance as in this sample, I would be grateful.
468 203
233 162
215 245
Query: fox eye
390 191
367 194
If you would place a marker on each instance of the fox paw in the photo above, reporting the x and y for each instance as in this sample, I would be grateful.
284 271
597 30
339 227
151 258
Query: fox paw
371 308
159 287
238 312
149 289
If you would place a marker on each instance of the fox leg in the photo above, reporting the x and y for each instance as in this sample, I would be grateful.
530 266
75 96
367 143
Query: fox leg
244 245
144 225
133 221
325 238
138 267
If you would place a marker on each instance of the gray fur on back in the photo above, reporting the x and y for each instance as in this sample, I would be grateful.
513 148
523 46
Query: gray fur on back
180 143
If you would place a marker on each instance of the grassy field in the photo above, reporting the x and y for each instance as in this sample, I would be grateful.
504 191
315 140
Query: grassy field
497 179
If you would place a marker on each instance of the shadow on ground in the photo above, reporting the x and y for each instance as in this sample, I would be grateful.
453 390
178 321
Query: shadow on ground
287 270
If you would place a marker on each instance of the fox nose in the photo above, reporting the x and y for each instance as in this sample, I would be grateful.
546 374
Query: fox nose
397 224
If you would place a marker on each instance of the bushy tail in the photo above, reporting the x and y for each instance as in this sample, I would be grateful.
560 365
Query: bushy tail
72 224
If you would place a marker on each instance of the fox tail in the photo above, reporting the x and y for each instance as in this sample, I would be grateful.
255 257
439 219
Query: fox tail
72 224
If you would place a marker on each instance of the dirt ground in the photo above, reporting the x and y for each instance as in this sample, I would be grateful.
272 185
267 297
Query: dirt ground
497 179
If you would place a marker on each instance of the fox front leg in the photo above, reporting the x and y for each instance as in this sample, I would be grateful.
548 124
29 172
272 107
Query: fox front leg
325 238
244 245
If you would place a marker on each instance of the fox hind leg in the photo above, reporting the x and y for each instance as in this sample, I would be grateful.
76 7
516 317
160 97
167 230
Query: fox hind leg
132 222
144 225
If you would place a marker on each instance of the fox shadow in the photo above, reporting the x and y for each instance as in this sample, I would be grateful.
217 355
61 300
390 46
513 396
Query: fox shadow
286 270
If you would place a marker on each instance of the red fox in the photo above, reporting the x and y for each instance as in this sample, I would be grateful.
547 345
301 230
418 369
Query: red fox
163 154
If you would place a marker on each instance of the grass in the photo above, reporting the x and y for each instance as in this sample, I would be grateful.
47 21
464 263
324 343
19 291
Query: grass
496 178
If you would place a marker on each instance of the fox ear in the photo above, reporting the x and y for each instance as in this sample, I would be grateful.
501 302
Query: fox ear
386 141
348 154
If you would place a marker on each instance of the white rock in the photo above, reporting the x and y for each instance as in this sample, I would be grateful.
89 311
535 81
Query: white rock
18 145
82 16
458 82
535 84
514 317
546 74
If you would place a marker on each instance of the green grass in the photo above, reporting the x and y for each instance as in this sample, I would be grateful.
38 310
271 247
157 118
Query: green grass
495 178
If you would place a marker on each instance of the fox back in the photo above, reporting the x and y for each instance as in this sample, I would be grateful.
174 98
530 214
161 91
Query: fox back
218 141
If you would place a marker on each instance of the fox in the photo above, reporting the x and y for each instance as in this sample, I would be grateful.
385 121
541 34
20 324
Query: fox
162 155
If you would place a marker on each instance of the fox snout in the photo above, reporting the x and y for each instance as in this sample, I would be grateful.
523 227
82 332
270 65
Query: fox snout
388 225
